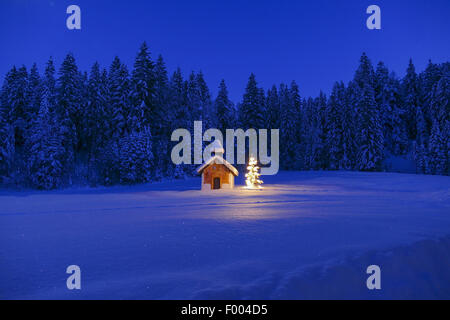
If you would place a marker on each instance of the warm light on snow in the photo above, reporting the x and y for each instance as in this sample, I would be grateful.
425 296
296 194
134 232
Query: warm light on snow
253 181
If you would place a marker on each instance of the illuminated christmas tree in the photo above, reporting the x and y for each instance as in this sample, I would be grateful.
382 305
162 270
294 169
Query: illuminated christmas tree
253 181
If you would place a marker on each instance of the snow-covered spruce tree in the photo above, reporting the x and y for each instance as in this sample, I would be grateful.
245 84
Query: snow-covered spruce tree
349 127
161 124
252 113
109 163
35 95
421 158
49 83
440 101
142 91
68 111
18 103
294 95
438 151
6 145
161 95
321 109
370 136
136 157
427 81
398 143
421 154
387 96
115 90
118 101
94 112
446 138
273 108
178 117
421 128
311 135
224 108
208 114
440 114
96 130
335 130
410 93
45 163
15 102
288 130
195 112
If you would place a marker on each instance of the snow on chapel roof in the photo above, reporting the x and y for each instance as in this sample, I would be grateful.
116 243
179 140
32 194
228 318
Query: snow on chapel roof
219 160
216 147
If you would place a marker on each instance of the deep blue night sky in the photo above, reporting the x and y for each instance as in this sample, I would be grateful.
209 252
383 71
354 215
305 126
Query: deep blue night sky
314 42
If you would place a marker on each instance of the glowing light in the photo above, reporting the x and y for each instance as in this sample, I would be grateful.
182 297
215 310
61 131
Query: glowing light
252 176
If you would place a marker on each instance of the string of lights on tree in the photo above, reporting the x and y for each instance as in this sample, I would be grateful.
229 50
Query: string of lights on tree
252 176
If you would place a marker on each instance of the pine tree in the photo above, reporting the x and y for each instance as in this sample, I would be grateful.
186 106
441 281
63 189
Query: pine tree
335 130
208 114
398 143
273 108
387 96
421 129
6 145
45 164
94 113
179 117
349 127
370 136
440 101
289 126
34 93
296 102
224 108
383 99
193 99
49 83
427 80
142 92
18 101
410 99
68 110
322 148
312 131
438 151
161 125
161 96
118 101
421 158
440 115
136 157
251 111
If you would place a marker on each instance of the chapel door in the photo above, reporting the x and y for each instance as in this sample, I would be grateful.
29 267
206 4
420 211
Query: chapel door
216 183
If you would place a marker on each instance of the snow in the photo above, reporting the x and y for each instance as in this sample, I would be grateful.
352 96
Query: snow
305 235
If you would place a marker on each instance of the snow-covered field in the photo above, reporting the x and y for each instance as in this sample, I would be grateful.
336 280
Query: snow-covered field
305 235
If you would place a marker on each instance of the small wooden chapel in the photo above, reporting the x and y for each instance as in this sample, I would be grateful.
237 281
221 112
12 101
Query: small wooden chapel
217 173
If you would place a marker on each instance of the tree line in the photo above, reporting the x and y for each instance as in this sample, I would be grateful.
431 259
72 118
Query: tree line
110 126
